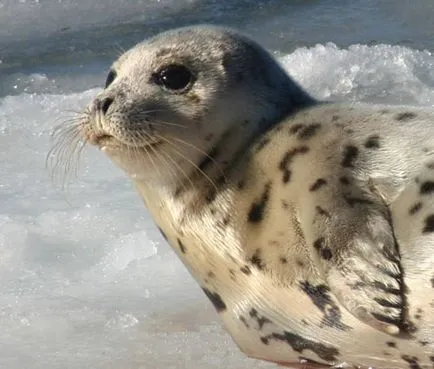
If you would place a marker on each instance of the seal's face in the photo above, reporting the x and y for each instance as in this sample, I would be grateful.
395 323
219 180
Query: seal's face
168 100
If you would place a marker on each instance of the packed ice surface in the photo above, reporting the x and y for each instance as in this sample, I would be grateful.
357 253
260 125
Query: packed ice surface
86 281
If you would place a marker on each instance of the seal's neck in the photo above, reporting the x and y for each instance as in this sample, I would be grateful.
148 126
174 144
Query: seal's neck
201 176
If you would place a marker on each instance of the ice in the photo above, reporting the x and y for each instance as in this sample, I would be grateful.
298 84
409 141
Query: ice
87 281
382 73
26 19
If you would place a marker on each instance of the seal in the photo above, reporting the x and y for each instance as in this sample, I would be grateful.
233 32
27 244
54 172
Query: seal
309 225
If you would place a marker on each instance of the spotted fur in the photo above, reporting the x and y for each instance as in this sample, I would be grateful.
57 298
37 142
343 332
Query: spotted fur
309 226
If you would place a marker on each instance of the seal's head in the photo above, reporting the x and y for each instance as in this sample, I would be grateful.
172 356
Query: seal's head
169 100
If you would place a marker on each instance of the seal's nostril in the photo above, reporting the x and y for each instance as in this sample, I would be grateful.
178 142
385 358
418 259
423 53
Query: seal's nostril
105 104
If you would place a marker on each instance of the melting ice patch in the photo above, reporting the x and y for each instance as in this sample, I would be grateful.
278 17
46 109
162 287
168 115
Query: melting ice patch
87 282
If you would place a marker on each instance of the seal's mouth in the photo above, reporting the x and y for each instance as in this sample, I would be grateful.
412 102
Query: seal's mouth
104 141
99 139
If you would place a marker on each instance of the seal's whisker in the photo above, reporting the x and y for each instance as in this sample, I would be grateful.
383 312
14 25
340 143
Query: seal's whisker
161 154
136 147
162 122
162 158
179 168
66 159
218 165
63 157
193 164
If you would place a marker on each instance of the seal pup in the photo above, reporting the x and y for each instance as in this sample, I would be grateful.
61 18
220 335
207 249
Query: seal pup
309 225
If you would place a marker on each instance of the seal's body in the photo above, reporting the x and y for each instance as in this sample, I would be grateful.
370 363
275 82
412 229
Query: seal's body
310 226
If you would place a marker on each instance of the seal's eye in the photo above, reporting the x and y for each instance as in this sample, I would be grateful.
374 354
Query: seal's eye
110 78
173 77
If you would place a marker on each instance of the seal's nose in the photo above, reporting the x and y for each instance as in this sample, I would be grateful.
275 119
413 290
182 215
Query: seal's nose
104 104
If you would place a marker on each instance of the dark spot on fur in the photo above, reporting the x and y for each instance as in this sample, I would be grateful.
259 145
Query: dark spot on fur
430 165
391 344
295 128
299 344
256 259
300 263
211 195
208 159
221 180
426 187
344 180
432 282
246 270
321 211
178 191
216 300
429 224
320 296
326 253
356 201
264 142
261 320
335 118
241 184
211 274
432 358
226 220
349 156
181 246
318 243
424 343
283 260
405 116
304 322
320 182
287 160
412 360
373 142
257 210
415 208
162 233
244 321
309 131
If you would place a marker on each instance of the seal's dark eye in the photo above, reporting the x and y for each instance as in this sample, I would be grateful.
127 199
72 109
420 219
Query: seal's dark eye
110 78
173 77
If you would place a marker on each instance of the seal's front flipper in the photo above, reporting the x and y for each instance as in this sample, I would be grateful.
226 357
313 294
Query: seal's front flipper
363 268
